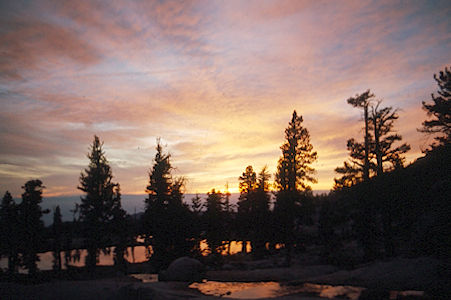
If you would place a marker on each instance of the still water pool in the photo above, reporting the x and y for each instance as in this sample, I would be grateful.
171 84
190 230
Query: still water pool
256 290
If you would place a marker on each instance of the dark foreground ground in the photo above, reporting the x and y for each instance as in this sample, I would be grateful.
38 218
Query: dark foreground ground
421 274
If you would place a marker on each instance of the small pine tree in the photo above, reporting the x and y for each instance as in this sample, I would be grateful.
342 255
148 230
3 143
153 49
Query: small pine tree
260 230
197 204
57 230
119 230
214 220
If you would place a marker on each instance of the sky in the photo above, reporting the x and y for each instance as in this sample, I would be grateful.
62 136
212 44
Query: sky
217 81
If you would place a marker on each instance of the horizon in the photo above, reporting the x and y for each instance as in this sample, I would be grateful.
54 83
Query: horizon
217 82
132 203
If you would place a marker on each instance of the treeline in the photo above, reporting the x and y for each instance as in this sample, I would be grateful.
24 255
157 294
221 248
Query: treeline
379 207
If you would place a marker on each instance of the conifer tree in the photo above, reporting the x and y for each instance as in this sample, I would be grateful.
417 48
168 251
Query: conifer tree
353 170
247 187
383 155
57 231
32 226
440 110
214 220
294 170
382 122
292 177
260 215
120 232
363 101
167 219
197 204
9 234
98 204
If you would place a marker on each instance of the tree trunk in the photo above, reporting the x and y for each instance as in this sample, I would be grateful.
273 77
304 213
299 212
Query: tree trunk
380 170
366 169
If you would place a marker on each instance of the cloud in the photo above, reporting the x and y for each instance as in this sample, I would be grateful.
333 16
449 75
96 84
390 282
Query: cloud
30 46
218 82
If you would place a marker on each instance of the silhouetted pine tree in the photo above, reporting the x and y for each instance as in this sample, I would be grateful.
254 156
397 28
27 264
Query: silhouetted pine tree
57 232
247 186
197 221
120 232
167 221
353 170
292 177
382 156
440 110
382 120
32 227
214 221
197 204
363 101
99 203
9 232
260 214
359 167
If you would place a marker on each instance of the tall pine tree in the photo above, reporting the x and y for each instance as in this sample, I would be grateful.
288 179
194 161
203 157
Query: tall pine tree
363 101
167 219
99 203
32 226
382 155
247 186
294 172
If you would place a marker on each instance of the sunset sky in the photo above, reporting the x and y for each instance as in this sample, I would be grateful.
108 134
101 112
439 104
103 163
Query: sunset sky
216 80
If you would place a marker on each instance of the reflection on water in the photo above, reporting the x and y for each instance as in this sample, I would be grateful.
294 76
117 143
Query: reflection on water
240 290
105 259
255 290
145 277
228 248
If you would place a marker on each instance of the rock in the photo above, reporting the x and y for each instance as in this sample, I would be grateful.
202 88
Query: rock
228 267
375 294
183 269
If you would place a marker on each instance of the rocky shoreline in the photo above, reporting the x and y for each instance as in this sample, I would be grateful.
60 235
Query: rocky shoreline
399 274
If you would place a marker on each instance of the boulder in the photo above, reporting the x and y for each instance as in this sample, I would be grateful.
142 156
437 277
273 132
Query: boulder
183 269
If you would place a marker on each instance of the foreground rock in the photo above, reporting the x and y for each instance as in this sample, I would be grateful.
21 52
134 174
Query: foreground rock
183 269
